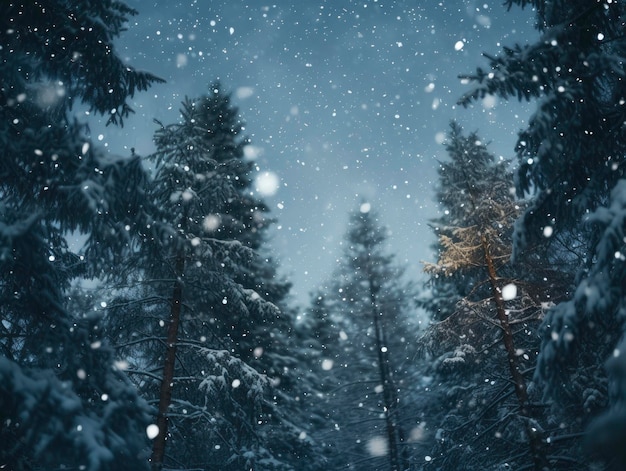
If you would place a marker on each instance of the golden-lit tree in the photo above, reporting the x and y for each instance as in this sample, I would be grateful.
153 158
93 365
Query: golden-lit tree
477 243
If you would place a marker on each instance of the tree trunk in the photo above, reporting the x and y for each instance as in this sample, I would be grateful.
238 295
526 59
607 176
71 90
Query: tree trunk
165 393
403 458
536 449
389 394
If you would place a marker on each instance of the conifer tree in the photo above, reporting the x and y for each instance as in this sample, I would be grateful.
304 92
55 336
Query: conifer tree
223 394
481 210
463 179
367 358
61 362
196 166
571 160
64 402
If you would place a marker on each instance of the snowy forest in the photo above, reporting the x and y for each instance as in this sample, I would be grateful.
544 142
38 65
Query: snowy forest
168 339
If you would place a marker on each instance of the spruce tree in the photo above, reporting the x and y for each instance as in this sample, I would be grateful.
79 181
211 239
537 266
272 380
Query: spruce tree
472 169
488 334
571 157
65 402
365 328
203 343
195 184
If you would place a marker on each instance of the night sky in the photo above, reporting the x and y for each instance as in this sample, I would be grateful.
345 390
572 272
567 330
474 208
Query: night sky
344 101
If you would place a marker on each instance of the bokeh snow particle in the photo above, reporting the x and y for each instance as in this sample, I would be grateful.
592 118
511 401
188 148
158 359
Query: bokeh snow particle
267 183
152 431
181 60
484 21
489 102
251 152
211 222
377 446
418 433
509 292
244 92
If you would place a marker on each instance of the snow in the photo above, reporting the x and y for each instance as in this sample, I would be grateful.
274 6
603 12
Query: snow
509 292
377 446
152 431
39 394
267 183
346 106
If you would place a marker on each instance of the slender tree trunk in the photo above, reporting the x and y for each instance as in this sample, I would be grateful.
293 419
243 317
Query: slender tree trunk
536 449
403 458
165 393
394 459
389 401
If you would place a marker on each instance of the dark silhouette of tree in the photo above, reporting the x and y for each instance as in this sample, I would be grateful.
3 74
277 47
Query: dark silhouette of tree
194 162
198 317
571 160
64 402
198 168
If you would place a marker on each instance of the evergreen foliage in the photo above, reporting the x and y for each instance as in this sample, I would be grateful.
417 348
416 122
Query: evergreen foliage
570 152
188 325
483 350
363 327
465 191
63 402
223 383
571 158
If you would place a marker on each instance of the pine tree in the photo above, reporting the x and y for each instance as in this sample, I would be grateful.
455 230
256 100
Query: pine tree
191 187
196 165
64 402
365 329
462 180
602 290
570 152
571 159
223 385
481 211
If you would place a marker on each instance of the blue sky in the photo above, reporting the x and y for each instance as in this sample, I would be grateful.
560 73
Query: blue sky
343 101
